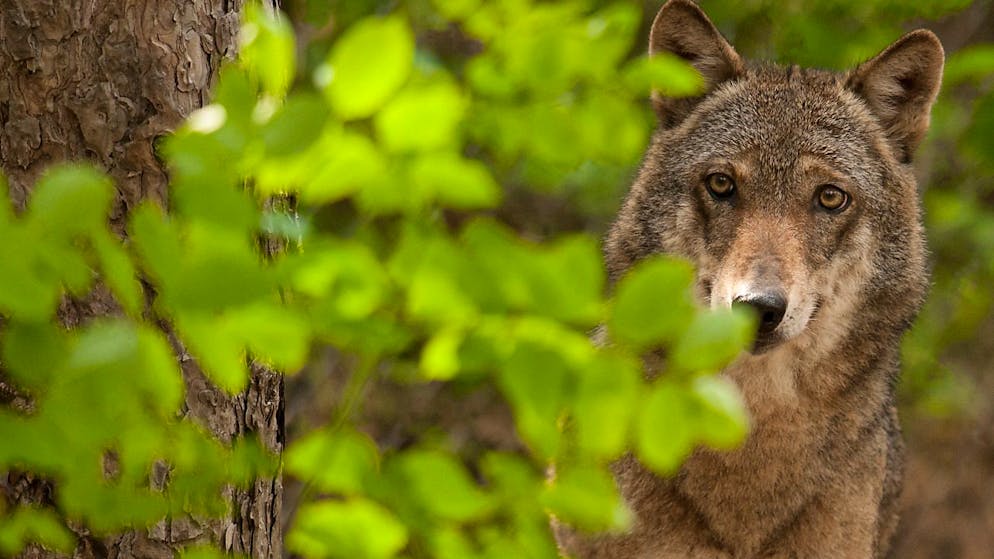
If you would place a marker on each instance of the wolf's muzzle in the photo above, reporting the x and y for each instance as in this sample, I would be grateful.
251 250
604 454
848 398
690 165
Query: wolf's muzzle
769 308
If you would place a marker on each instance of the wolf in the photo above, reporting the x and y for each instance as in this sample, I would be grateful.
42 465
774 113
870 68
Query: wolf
792 191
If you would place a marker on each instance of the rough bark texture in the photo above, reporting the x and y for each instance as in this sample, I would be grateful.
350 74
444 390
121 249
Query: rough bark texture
102 81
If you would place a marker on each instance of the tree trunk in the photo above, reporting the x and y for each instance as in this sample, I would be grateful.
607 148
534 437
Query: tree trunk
102 81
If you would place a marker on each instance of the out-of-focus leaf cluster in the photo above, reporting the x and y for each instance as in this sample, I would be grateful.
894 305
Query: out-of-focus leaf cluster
390 154
408 151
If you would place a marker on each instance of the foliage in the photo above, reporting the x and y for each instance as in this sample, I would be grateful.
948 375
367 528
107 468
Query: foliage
391 157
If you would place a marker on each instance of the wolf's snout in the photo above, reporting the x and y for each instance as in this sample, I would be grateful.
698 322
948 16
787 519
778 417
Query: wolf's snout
769 307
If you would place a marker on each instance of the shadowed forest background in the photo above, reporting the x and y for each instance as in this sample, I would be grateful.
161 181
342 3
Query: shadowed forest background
398 206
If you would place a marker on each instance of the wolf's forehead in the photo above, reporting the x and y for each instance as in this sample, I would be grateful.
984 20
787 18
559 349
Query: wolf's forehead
780 120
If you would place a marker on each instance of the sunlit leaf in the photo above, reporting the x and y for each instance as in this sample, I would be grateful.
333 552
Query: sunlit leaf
586 497
119 273
725 421
354 529
453 181
367 65
665 432
296 125
421 118
71 199
335 461
441 485
714 339
664 73
653 303
267 47
31 525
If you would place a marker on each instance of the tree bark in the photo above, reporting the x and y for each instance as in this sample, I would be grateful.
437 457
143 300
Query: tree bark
102 81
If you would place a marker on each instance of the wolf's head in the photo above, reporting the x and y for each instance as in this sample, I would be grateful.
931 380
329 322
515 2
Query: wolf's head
790 189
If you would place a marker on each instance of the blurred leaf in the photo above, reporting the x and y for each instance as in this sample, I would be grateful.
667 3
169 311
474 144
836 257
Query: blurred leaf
348 162
421 118
31 525
296 125
267 48
71 199
118 271
204 552
33 352
714 339
605 402
664 73
725 421
586 497
335 461
157 241
275 334
665 434
441 486
354 529
368 64
219 349
534 380
653 302
440 357
455 182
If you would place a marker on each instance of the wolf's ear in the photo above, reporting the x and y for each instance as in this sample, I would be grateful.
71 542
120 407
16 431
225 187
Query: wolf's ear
899 85
681 28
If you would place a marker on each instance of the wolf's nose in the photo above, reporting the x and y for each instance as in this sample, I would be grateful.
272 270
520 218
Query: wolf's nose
770 307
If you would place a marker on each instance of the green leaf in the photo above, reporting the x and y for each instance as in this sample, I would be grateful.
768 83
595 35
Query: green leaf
296 126
348 162
157 241
535 381
441 485
27 290
724 423
267 48
664 73
714 339
347 276
421 118
586 497
31 525
337 462
219 350
456 9
354 529
275 334
71 199
6 211
665 429
367 66
217 203
436 297
453 181
653 302
450 543
605 402
440 357
159 372
33 352
119 273
205 552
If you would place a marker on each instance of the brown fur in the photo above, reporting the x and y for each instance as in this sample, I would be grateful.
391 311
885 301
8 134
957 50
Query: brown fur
820 473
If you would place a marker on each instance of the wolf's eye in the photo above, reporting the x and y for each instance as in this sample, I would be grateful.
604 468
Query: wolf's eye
832 198
720 185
